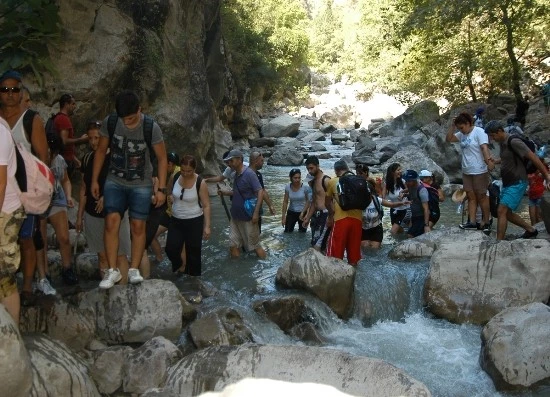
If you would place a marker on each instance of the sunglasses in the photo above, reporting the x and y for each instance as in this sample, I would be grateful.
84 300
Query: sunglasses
5 90
181 195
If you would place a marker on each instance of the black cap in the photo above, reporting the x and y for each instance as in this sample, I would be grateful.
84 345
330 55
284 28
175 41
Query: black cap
410 175
173 158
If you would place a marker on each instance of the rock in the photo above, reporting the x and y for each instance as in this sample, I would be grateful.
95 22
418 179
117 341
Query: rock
329 279
146 367
286 312
411 157
432 129
471 281
125 314
286 156
317 147
307 333
223 327
160 392
283 125
313 137
338 138
214 368
502 99
260 142
107 369
327 128
354 135
71 325
57 371
545 208
15 364
286 142
365 144
447 155
416 116
515 347
87 266
368 159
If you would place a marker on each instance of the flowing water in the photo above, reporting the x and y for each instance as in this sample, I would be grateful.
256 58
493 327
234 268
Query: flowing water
388 322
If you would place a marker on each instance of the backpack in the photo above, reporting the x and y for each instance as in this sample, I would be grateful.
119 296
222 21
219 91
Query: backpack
353 192
50 127
494 198
433 197
197 185
530 167
35 181
377 205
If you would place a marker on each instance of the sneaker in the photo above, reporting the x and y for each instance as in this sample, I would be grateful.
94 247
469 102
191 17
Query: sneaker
45 287
134 277
110 278
468 226
486 229
529 234
69 276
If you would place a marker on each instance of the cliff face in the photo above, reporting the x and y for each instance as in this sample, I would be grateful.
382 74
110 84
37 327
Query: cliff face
169 51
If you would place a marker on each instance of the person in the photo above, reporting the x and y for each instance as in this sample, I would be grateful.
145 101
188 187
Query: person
243 230
476 162
478 117
514 178
546 96
11 219
317 212
345 234
91 215
393 190
420 210
190 222
522 108
256 162
536 190
129 182
26 100
427 180
296 202
228 173
511 126
34 140
64 128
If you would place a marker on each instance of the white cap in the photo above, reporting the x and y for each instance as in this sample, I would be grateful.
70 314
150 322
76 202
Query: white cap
424 173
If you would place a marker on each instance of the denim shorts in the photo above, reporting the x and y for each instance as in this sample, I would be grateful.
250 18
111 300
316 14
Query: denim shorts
535 202
135 199
510 196
29 226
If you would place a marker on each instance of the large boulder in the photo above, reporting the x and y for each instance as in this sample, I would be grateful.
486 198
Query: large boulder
412 157
107 370
515 347
286 312
214 368
545 208
125 314
225 326
15 364
447 155
286 156
283 125
471 281
417 116
329 279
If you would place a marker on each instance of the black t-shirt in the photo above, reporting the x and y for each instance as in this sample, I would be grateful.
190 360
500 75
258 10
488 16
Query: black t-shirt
521 109
87 170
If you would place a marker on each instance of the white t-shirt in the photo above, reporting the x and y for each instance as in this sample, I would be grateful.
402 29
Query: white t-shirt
371 217
7 158
394 197
473 162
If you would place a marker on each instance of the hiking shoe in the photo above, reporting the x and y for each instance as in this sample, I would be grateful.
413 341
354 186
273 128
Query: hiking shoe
110 278
45 287
134 277
468 226
486 229
529 234
69 276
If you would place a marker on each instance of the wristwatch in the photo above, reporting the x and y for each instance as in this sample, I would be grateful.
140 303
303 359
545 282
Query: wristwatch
162 190
426 224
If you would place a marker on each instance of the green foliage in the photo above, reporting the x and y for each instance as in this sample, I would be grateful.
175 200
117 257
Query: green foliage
26 27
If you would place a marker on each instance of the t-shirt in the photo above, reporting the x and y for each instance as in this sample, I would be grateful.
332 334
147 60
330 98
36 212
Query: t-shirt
229 173
394 197
245 186
371 216
58 167
63 122
417 196
473 162
130 159
512 170
297 199
536 185
8 159
339 213
87 170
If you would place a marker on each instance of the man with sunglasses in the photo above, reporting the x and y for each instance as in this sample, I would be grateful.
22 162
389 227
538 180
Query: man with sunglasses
13 112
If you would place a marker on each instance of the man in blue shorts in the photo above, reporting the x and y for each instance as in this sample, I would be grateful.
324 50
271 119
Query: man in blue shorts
514 178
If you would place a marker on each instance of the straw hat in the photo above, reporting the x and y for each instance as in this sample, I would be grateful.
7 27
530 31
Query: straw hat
459 195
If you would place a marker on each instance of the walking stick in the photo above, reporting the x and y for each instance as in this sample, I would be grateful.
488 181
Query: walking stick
224 204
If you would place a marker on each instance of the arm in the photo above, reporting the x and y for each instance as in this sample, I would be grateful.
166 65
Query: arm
256 215
441 195
394 204
285 207
426 209
38 140
540 166
307 204
81 205
99 159
3 183
267 199
487 157
64 134
330 208
68 188
205 201
450 137
160 152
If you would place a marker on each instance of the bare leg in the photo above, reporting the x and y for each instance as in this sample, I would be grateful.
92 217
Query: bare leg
145 266
60 224
137 229
28 260
533 214
396 229
12 304
261 253
112 224
123 265
235 252
483 201
472 206
42 255
155 245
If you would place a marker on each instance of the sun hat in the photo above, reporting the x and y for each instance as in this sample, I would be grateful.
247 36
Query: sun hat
425 173
410 175
459 195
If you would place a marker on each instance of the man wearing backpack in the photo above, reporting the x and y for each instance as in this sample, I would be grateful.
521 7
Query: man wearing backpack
28 130
434 196
346 224
129 183
420 209
514 178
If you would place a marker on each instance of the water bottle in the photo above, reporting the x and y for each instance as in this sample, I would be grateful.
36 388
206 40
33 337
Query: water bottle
459 208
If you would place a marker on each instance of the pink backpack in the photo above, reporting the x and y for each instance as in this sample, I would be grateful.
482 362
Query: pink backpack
35 180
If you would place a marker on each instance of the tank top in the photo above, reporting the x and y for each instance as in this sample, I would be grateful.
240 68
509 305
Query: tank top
188 206
18 133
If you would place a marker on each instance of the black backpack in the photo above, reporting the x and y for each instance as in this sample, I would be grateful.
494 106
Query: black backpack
530 167
433 197
50 127
353 192
494 198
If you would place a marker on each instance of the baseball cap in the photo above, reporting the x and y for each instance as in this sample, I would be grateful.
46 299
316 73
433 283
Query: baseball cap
410 175
10 74
425 173
232 154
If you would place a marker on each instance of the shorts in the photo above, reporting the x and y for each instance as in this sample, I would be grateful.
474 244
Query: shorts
510 196
374 234
29 227
8 286
10 254
56 209
346 236
164 220
398 216
535 202
476 183
417 226
319 230
244 234
135 199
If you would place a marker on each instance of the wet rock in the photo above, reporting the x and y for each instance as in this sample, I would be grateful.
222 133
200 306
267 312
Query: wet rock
222 327
160 392
286 312
57 371
107 369
515 347
327 128
261 142
313 136
146 367
365 144
317 147
214 368
307 333
15 363
131 313
329 279
412 157
283 125
471 281
71 325
286 156
338 138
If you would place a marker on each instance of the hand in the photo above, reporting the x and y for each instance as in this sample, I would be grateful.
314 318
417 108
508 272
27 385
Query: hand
70 202
99 205
78 225
95 190
283 220
158 199
206 233
255 218
330 221
271 210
